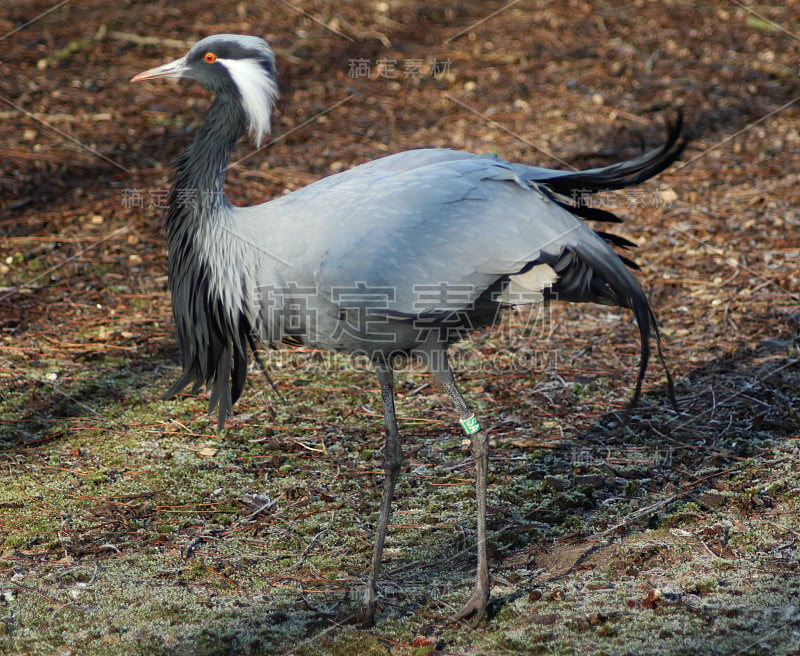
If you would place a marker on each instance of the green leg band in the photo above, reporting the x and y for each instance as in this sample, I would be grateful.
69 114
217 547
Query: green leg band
470 425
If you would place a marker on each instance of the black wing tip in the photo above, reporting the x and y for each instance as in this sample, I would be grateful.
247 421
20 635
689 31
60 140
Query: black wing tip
666 155
651 163
626 173
676 140
646 319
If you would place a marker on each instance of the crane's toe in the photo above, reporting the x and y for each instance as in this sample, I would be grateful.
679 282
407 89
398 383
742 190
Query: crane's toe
475 608
365 617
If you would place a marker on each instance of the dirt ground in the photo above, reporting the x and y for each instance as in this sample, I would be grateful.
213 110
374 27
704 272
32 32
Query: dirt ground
129 525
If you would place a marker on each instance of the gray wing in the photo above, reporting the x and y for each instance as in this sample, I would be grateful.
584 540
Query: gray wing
455 223
425 218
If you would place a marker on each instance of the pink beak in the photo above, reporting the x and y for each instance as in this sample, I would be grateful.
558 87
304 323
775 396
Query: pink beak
172 69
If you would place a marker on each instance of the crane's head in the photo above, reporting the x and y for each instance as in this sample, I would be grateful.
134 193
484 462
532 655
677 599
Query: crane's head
232 64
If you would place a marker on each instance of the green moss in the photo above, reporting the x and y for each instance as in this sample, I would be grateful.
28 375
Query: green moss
571 523
705 585
423 650
347 642
572 499
680 514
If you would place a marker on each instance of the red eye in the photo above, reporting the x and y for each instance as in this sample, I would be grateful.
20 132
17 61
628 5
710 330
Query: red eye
210 57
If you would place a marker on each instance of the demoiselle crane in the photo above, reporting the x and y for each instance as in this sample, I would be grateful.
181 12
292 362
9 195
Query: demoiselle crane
400 256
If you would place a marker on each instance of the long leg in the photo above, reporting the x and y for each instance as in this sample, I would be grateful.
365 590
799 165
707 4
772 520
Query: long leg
392 458
479 442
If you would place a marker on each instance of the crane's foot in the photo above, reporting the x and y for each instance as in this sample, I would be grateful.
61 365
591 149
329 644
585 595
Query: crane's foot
475 608
365 617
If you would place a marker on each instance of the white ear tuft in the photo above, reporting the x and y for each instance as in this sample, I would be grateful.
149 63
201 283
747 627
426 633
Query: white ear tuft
258 90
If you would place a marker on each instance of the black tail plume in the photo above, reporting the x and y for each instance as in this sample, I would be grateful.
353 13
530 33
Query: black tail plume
624 174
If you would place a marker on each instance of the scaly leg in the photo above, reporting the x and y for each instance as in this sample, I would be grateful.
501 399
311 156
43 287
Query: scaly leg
479 441
392 458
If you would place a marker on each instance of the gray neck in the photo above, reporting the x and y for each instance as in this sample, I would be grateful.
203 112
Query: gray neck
197 195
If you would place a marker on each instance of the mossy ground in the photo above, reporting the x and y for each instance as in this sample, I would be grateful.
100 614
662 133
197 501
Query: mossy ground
132 527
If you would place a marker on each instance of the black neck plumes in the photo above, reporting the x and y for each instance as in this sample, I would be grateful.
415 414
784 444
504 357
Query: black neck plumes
212 326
